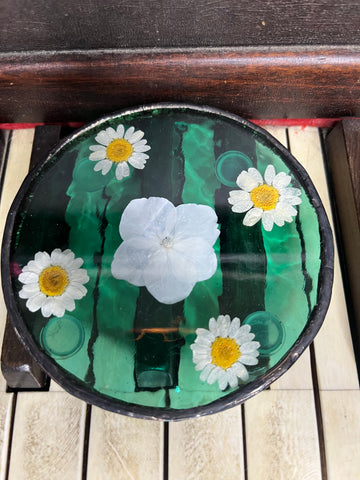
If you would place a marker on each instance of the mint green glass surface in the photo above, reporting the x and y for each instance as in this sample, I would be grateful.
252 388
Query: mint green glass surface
120 341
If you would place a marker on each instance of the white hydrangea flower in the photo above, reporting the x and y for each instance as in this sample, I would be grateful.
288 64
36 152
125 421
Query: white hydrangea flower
223 351
165 248
121 148
53 282
272 201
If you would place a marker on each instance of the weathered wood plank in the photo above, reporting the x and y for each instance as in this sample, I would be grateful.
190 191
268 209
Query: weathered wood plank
6 400
124 448
343 154
341 414
254 82
336 366
48 437
281 436
298 377
201 23
208 447
17 168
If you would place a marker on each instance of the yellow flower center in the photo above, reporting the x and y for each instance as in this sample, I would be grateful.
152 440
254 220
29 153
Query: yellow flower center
224 352
119 150
264 197
53 281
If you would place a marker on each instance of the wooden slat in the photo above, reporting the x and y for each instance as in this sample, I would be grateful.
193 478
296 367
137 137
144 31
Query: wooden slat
17 168
341 419
343 154
207 448
335 360
299 375
5 420
281 436
48 437
124 448
255 82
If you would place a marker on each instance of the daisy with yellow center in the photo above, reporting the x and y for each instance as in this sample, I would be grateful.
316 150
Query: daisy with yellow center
53 282
121 148
223 351
270 199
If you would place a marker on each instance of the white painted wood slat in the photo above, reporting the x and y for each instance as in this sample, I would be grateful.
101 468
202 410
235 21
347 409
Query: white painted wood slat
16 171
299 375
341 420
124 448
5 419
335 359
48 437
281 436
207 448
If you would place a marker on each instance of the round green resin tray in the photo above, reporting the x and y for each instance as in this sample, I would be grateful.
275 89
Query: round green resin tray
167 261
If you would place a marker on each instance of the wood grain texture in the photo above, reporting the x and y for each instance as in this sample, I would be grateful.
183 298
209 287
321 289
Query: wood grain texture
48 437
5 421
255 82
298 377
341 413
207 448
343 153
124 448
281 436
336 366
109 24
17 168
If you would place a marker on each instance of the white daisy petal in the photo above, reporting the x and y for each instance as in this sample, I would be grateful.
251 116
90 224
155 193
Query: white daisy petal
266 199
129 133
141 148
243 373
104 166
206 372
98 148
111 133
120 131
247 181
137 159
252 217
281 180
103 138
268 220
269 174
53 298
249 360
36 302
256 175
135 137
122 170
96 156
137 162
224 359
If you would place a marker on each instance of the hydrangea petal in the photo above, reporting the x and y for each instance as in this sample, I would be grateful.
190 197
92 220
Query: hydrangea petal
196 221
149 217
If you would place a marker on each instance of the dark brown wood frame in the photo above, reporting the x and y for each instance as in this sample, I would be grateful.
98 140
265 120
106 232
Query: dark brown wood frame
254 82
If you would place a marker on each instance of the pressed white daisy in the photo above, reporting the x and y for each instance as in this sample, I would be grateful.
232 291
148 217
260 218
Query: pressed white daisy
119 147
223 351
53 282
271 201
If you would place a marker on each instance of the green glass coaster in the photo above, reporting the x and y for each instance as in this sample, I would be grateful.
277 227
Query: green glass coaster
167 261
62 337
